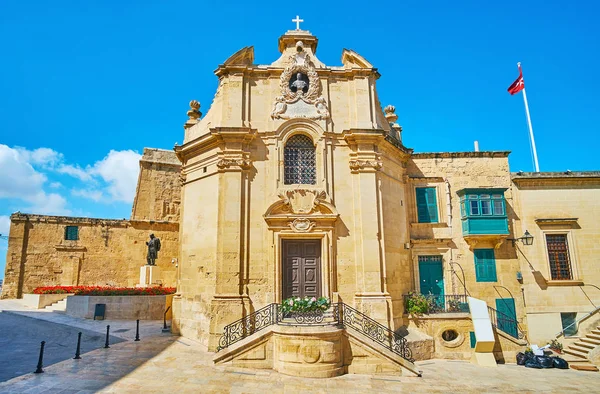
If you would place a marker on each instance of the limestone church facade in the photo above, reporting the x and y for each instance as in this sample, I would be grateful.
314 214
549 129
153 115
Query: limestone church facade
296 183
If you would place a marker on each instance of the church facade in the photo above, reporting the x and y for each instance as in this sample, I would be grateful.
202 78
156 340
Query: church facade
296 183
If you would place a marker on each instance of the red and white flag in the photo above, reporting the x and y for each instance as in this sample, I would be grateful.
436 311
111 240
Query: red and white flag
518 85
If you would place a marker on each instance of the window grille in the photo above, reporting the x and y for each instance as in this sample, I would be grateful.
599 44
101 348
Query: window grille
71 233
558 255
299 161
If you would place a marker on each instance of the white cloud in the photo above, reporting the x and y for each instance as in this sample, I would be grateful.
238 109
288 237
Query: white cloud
113 178
42 156
74 171
119 169
4 225
19 180
95 195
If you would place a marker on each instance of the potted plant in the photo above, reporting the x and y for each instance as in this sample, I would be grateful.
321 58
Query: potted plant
555 346
418 304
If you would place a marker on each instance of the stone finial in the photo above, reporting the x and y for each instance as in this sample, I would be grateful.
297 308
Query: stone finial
193 114
390 114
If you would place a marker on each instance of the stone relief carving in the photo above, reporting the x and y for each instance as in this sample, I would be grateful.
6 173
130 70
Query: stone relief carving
290 104
302 225
302 200
226 163
357 165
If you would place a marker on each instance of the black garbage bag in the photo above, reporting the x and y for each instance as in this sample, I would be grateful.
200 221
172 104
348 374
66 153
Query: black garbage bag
560 363
522 358
545 361
533 363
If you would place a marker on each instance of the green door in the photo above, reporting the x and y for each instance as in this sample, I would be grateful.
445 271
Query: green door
507 316
432 278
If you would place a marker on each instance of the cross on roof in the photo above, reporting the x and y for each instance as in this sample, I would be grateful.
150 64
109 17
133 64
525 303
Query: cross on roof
297 20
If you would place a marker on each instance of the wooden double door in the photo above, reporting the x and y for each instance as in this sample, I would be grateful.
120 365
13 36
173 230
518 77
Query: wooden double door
301 268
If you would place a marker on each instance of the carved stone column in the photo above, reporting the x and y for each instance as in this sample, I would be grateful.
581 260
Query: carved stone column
365 164
230 301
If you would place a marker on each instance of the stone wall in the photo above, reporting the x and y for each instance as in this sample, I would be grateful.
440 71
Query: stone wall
158 193
558 203
121 307
107 253
450 172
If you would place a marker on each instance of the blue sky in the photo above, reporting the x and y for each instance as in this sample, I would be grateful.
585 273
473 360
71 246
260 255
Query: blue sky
86 85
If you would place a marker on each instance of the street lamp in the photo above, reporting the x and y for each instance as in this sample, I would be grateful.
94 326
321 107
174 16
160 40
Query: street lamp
527 239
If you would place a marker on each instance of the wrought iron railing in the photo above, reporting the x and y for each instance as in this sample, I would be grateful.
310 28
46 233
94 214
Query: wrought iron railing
450 303
506 324
343 315
349 317
246 326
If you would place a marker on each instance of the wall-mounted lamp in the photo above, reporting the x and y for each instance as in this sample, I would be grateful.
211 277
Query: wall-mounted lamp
527 239
520 276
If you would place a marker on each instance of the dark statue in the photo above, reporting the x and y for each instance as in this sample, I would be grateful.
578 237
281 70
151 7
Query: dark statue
153 248
299 85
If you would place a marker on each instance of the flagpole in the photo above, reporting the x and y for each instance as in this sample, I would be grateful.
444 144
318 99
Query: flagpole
535 158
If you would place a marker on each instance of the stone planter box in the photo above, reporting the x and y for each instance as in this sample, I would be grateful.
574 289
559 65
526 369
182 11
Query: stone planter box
40 301
143 307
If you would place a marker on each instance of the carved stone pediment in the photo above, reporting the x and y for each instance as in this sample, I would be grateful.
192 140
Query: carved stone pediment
306 100
302 201
301 210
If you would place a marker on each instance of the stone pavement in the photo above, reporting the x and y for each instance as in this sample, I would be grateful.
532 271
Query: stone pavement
162 363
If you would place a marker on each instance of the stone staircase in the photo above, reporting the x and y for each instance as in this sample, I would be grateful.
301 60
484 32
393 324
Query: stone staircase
59 306
577 353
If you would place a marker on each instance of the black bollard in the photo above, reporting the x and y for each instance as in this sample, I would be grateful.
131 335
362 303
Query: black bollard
107 331
78 351
165 328
137 330
41 359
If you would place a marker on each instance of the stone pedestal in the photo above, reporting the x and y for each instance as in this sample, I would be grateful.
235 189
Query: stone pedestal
149 276
310 351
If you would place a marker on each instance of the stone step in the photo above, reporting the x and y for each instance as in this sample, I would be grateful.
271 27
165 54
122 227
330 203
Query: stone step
584 367
574 359
591 341
595 332
593 336
580 348
575 352
583 344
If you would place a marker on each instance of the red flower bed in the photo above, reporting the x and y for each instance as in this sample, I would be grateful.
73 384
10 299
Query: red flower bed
104 290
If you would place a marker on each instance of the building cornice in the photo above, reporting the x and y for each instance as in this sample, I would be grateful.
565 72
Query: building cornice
26 217
459 155
555 178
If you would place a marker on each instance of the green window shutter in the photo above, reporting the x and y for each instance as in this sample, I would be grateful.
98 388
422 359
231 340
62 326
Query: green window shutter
485 265
426 205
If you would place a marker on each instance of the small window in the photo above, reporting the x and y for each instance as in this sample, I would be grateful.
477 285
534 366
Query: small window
299 161
558 256
485 265
427 211
486 207
71 233
498 207
568 323
474 207
473 339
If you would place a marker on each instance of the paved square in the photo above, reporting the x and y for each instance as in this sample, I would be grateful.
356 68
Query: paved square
162 363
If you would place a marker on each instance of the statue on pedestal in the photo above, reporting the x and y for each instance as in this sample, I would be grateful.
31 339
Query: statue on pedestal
153 248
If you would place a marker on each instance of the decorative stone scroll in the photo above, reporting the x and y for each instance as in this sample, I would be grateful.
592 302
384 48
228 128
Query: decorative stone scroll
300 99
302 225
302 201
